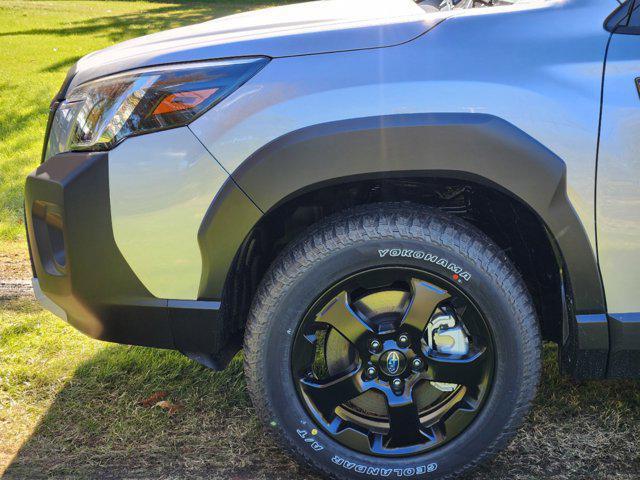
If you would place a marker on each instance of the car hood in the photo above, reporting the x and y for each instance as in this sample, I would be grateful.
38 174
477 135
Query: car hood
299 29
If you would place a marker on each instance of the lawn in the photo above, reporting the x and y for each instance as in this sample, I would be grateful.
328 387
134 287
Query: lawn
72 407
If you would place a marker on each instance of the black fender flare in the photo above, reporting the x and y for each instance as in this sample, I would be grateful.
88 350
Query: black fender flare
478 147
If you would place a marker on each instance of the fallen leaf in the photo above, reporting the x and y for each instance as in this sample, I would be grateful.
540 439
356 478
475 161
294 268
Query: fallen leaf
152 399
170 407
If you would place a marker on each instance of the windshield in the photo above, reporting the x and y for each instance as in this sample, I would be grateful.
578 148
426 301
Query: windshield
441 5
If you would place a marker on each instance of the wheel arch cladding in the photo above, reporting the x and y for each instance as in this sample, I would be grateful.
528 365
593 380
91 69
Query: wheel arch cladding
472 146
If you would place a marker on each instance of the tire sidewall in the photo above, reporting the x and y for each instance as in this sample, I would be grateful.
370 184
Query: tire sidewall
298 428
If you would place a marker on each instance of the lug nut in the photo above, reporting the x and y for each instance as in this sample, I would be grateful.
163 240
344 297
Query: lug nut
403 340
371 373
396 383
375 346
417 364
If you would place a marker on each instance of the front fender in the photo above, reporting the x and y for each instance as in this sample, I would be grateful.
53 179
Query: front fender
478 147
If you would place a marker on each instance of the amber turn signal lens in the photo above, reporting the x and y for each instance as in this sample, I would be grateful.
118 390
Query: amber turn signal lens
99 114
177 102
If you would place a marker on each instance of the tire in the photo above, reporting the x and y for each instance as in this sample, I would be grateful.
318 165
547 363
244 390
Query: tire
388 237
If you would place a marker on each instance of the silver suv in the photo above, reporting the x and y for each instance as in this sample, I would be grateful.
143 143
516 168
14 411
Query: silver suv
390 204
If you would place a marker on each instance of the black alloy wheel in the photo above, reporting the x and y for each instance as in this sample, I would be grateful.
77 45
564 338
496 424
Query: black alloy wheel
370 373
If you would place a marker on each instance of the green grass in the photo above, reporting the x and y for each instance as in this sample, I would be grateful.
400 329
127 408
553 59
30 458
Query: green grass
39 41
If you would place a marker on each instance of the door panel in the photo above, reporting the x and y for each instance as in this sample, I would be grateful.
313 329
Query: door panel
618 188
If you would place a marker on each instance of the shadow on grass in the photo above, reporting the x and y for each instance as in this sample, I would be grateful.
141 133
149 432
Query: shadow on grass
15 123
96 427
16 120
60 65
121 27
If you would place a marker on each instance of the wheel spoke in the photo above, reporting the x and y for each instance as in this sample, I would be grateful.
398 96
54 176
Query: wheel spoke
459 419
333 392
339 314
424 300
459 369
302 355
350 436
403 419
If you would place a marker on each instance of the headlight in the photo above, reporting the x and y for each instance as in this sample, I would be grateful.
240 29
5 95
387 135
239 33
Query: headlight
98 114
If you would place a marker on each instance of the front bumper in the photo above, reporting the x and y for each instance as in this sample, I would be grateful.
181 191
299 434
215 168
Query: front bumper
81 275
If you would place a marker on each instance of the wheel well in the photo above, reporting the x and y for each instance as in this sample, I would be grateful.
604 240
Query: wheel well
506 220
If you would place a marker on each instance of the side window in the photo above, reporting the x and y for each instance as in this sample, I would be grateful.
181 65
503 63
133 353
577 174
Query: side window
634 21
626 19
618 21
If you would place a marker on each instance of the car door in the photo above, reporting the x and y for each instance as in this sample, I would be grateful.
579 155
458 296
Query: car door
618 191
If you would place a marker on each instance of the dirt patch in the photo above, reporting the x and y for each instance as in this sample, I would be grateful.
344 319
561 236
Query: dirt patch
14 264
15 271
10 289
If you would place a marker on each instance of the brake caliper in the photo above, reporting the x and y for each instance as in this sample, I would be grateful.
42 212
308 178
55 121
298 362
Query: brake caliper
445 334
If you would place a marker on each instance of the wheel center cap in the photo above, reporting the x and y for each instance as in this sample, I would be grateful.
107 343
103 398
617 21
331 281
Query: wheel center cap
393 362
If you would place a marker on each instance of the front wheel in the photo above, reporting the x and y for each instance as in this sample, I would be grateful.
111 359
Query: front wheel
392 340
